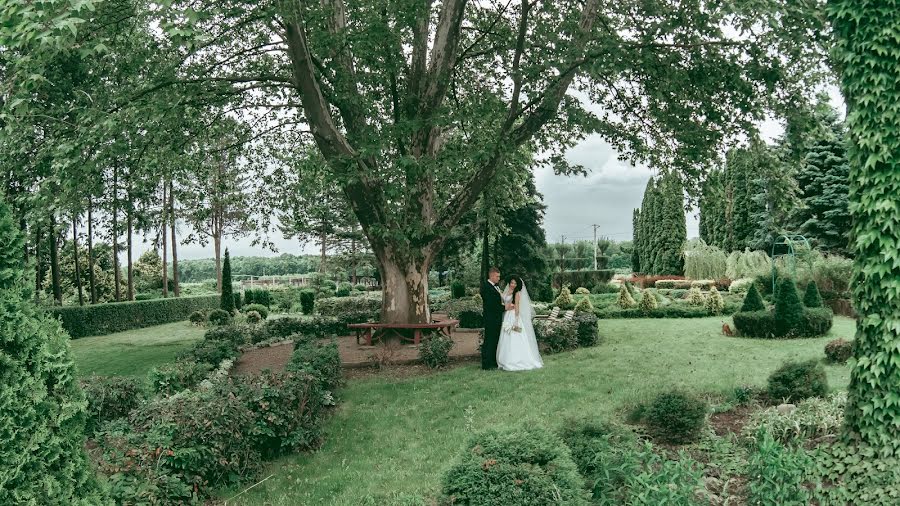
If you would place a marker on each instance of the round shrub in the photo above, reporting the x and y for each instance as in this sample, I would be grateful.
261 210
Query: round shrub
330 285
557 336
795 381
198 317
210 352
228 333
253 317
307 301
812 298
815 322
343 290
359 287
219 317
259 308
582 291
675 417
753 300
839 350
788 308
435 350
515 467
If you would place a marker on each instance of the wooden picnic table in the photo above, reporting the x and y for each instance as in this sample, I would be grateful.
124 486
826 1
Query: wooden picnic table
378 331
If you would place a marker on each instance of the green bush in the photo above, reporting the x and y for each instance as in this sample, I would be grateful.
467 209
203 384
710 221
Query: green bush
227 299
557 336
435 350
675 417
602 288
109 398
169 379
582 291
815 322
813 418
467 311
259 308
253 317
581 278
753 300
648 301
307 301
219 317
788 308
344 289
695 296
839 351
675 310
177 450
812 298
287 410
586 329
714 302
228 333
516 467
564 300
210 352
101 319
320 360
795 381
584 306
625 300
199 317
359 287
336 306
237 301
755 324
777 475
258 296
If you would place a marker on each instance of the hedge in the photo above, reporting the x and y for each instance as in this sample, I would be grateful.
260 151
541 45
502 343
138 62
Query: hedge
669 311
587 279
814 322
101 319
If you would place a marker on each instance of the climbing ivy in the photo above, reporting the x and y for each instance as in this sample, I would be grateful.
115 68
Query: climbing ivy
867 54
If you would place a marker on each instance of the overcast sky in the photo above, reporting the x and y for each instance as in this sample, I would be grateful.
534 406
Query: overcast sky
606 197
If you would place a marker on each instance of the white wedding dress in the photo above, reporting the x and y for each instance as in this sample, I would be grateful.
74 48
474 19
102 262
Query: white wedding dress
517 349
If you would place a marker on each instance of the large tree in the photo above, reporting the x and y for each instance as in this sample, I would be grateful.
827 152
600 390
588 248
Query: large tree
520 248
867 54
417 106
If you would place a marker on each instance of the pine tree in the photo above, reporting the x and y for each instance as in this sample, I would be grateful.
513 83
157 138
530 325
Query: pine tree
812 298
753 300
636 240
227 290
42 458
673 228
788 308
712 211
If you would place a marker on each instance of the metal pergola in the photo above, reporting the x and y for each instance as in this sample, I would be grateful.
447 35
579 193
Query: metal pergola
789 243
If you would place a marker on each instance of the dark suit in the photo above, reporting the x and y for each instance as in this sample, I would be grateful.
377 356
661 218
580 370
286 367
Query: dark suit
493 310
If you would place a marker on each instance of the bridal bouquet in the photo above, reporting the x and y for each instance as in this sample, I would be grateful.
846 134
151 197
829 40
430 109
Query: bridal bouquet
515 327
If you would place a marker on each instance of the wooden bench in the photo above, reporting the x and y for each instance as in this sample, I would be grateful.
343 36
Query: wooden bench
378 331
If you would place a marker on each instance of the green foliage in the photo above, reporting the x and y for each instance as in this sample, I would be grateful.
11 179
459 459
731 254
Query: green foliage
584 306
753 300
695 296
287 410
219 317
625 300
795 381
457 290
812 298
702 261
320 360
435 350
788 308
605 288
259 308
198 317
813 418
169 379
777 474
564 300
307 301
514 467
714 302
741 285
228 333
587 329
102 319
253 317
856 473
557 336
258 296
839 351
344 289
674 310
109 398
227 290
42 459
747 264
468 311
815 322
759 324
581 278
336 306
237 301
210 352
662 230
675 417
582 291
648 301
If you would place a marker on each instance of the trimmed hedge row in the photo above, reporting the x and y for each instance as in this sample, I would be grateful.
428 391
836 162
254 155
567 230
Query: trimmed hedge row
587 279
669 311
100 319
762 324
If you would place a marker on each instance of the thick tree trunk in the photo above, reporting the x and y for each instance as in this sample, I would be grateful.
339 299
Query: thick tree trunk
404 288
165 249
217 246
115 234
130 225
174 242
77 263
90 244
54 261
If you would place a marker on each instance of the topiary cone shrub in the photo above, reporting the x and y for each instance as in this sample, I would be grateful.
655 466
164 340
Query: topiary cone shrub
812 298
584 306
625 300
42 408
565 299
714 303
788 308
227 297
648 301
753 301
515 467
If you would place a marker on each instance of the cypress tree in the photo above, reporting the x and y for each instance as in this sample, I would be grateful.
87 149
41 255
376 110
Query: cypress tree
812 298
42 458
636 240
753 300
673 228
227 303
788 308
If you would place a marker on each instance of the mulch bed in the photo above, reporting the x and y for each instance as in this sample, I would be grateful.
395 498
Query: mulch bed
732 421
359 360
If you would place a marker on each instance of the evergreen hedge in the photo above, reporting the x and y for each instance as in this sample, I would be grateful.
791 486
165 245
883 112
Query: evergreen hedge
227 288
588 279
101 319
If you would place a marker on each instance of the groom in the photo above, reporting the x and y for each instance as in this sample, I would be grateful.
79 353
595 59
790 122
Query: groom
492 308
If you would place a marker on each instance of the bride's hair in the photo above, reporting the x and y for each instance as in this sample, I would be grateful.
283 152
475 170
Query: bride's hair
519 285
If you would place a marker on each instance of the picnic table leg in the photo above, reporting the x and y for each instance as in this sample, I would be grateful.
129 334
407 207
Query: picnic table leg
369 337
417 336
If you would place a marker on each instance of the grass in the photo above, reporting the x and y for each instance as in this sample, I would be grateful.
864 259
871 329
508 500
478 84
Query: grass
394 438
134 352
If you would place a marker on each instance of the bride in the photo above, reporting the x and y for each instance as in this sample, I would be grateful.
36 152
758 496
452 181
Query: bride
518 349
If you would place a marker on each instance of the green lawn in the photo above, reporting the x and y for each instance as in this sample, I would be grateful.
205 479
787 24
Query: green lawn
134 352
393 437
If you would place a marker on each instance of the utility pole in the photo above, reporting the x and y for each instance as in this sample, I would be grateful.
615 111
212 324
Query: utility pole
595 245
